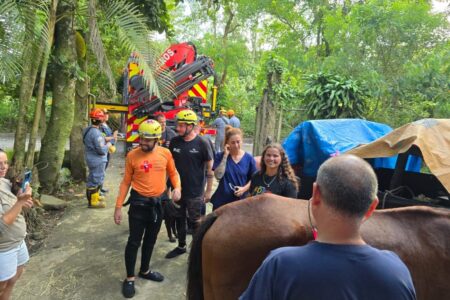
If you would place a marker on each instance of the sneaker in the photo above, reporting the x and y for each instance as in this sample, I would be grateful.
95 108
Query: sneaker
175 252
155 276
128 289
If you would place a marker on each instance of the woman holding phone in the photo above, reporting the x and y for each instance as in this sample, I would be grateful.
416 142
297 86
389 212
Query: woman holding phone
13 250
233 168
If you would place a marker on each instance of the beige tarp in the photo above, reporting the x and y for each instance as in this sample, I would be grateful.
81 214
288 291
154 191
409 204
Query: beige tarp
432 136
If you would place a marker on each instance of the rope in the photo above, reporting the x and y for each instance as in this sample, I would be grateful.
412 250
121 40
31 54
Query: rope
394 192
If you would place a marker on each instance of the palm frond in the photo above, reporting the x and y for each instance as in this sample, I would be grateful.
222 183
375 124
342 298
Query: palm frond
133 34
9 56
25 25
6 7
96 44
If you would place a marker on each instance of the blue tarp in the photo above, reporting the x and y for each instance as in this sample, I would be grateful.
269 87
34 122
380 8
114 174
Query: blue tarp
313 142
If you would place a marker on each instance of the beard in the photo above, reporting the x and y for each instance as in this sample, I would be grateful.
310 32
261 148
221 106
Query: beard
147 148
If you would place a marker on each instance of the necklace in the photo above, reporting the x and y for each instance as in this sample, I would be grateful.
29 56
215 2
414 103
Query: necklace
270 182
313 228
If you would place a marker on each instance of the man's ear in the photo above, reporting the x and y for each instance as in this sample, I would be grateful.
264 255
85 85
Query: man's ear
371 209
315 199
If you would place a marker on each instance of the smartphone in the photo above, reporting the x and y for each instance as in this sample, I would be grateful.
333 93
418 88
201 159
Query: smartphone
26 179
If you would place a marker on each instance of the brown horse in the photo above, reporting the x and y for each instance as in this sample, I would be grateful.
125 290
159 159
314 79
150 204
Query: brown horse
233 241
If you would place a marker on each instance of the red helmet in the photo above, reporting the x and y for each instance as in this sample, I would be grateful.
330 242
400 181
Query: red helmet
97 114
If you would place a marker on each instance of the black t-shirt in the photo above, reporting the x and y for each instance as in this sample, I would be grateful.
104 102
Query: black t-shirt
167 136
272 184
190 160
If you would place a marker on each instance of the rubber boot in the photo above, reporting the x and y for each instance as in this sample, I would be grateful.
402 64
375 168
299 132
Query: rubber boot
89 192
94 201
101 197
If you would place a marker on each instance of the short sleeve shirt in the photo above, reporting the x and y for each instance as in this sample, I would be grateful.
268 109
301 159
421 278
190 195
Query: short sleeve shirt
272 184
329 271
190 160
236 174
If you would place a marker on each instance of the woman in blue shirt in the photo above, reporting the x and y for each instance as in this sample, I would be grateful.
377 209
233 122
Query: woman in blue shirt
233 168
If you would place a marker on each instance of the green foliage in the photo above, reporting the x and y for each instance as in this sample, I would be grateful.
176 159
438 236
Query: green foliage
332 96
156 13
8 113
9 110
399 49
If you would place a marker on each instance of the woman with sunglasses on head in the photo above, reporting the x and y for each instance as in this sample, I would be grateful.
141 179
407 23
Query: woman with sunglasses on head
233 168
13 250
276 175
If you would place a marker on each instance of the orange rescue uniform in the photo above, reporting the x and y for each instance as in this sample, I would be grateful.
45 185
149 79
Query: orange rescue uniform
146 172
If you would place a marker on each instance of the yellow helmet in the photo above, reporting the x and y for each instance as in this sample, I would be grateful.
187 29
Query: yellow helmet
150 129
230 112
187 116
223 111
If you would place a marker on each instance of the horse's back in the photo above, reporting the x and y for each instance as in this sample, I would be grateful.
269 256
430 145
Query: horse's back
419 235
242 236
246 231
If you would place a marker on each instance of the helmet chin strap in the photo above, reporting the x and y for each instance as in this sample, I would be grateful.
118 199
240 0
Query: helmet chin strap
186 133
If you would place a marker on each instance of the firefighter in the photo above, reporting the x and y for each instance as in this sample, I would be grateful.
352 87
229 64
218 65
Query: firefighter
110 136
220 123
234 121
96 149
146 170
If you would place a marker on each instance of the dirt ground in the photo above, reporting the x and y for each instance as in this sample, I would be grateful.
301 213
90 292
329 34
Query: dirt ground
83 257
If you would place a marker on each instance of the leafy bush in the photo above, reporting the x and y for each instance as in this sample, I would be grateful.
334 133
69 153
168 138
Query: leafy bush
331 96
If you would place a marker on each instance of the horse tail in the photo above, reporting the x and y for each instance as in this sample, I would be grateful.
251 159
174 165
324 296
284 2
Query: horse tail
194 274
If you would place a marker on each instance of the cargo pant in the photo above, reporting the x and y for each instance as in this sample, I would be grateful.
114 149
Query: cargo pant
190 211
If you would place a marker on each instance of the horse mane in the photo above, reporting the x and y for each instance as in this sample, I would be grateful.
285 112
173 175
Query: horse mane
422 211
194 273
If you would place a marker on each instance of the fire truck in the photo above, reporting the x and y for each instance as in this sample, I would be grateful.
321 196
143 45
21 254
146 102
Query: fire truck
190 73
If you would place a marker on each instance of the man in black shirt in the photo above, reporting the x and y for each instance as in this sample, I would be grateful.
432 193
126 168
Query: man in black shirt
167 133
192 156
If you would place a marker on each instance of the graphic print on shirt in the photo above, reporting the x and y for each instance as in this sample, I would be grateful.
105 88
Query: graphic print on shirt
146 166
260 190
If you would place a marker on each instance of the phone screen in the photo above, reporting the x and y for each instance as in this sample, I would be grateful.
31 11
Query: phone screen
26 179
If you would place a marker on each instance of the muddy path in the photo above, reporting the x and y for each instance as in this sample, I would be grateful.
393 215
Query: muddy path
83 257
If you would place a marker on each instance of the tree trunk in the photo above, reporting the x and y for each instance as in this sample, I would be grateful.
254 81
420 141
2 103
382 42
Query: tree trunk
61 118
80 121
266 115
43 118
29 73
40 95
280 124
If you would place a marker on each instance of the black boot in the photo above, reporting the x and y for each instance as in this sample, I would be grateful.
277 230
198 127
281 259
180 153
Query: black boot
102 190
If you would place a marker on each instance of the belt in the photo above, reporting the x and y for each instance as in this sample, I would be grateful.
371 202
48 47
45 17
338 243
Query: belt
140 200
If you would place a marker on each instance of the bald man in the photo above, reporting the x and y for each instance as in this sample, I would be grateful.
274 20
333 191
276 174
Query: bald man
339 264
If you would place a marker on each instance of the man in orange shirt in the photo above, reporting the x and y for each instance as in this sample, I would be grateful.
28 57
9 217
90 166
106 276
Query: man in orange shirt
146 170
